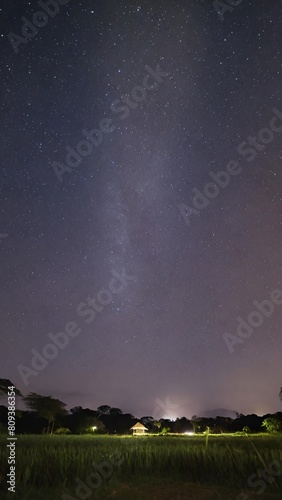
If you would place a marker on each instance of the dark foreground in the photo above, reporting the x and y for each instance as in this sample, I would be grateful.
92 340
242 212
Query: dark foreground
151 467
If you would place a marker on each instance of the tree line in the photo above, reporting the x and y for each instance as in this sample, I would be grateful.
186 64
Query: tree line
48 415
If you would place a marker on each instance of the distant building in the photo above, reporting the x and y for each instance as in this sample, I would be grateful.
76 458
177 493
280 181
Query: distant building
138 429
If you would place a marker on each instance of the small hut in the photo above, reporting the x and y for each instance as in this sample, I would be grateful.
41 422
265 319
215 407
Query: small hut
138 429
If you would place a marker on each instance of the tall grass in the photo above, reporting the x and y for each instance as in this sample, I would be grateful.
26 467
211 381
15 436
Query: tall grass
43 462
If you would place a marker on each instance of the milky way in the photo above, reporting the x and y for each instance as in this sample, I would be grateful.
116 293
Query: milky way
171 91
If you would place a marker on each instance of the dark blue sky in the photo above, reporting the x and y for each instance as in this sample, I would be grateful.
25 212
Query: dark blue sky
172 91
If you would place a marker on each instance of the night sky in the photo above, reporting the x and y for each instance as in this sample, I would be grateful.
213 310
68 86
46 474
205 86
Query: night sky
157 344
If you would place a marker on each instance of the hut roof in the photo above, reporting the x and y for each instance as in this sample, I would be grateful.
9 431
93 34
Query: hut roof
139 426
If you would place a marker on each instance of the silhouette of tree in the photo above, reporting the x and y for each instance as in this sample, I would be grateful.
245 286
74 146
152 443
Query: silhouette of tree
105 409
45 406
4 384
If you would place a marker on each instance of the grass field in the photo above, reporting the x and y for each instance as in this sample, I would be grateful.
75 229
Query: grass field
151 467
